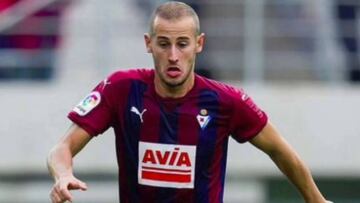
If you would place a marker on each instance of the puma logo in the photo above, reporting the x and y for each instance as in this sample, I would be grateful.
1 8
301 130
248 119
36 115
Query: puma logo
136 111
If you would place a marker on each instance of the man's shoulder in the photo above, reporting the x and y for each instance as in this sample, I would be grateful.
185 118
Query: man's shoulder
220 87
127 75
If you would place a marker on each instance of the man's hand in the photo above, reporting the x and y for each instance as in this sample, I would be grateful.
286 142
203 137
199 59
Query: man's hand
61 190
59 162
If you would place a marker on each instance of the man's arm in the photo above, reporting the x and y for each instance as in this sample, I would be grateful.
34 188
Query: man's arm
59 163
288 161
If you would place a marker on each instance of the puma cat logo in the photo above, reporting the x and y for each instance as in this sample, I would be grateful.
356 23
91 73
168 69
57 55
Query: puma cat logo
136 111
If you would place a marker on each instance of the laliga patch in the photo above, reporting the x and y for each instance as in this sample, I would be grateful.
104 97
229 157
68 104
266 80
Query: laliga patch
88 103
166 165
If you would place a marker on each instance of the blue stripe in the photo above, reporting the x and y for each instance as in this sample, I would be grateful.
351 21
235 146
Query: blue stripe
206 146
223 167
168 135
132 135
169 126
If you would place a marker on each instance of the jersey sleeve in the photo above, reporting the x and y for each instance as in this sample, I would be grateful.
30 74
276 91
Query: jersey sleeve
247 119
94 113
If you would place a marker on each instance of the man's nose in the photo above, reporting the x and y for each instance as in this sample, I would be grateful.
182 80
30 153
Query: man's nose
174 54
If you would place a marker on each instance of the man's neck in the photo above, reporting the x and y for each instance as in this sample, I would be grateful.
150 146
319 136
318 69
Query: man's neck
166 91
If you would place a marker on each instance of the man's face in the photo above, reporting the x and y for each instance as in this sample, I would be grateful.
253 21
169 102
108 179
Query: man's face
174 46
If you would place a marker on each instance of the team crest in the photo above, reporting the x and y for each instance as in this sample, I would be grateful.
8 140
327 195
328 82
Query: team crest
203 118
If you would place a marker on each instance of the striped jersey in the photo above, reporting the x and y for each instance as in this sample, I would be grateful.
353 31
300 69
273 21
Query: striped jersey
169 150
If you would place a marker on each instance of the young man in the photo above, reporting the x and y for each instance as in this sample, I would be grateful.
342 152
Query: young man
171 125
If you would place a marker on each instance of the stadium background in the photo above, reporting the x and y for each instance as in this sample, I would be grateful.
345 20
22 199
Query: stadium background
287 54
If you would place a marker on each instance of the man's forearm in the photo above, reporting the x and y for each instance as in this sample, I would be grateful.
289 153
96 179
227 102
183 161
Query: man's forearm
297 172
59 161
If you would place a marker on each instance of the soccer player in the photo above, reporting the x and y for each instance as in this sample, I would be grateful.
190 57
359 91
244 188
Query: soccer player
172 126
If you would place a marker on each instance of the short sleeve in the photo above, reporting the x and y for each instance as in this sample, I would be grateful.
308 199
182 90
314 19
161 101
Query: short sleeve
94 112
247 119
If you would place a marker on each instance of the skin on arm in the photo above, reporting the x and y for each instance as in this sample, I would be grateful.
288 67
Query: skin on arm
289 162
59 163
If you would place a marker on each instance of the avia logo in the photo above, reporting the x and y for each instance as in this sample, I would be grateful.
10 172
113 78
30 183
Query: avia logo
136 111
166 165
167 157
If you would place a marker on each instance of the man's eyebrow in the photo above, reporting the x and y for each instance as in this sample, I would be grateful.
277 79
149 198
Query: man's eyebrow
183 38
179 38
162 37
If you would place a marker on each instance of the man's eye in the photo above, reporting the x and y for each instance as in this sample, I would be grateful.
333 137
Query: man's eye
163 44
182 44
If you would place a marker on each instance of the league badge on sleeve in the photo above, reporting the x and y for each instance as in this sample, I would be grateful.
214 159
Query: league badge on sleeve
88 103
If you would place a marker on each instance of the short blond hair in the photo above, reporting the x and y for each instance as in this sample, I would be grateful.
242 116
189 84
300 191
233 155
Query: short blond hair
174 10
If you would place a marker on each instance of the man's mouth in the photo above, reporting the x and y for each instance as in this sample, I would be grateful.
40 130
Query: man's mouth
173 72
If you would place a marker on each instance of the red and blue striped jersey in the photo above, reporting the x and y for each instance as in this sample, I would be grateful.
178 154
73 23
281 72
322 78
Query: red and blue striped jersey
169 150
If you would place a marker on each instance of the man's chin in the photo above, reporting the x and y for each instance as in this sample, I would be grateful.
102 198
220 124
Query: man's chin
174 83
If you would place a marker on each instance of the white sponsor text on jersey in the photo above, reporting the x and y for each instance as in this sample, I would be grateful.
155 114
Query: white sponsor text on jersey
166 165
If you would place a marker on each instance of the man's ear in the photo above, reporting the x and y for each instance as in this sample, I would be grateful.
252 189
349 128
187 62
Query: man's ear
200 41
147 39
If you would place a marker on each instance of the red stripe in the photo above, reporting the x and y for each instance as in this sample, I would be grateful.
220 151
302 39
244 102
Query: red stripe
150 128
181 178
188 134
188 130
165 169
